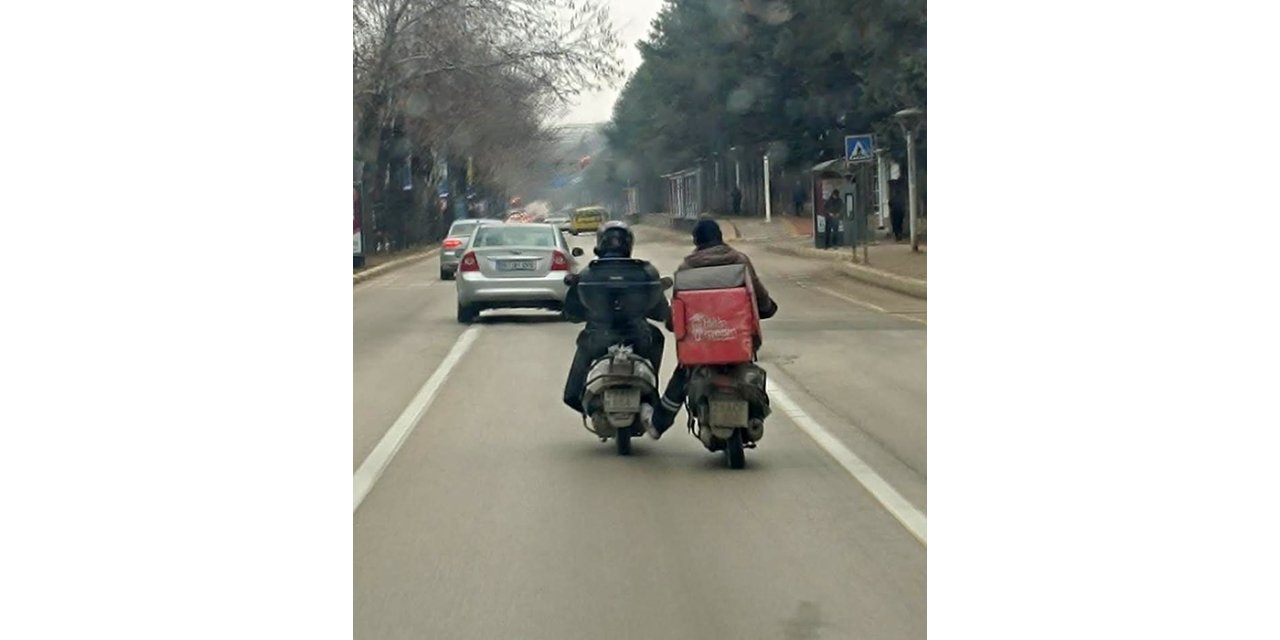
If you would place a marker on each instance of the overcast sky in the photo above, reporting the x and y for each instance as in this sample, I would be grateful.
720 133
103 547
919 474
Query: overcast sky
631 18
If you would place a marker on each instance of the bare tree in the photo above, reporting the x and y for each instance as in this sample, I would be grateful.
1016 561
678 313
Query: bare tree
474 78
411 53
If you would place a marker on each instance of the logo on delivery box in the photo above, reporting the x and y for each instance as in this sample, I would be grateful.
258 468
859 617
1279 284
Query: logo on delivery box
705 328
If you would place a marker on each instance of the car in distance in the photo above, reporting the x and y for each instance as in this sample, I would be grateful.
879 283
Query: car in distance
587 220
455 242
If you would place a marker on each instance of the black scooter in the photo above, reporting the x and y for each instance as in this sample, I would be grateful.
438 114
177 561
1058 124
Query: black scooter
622 386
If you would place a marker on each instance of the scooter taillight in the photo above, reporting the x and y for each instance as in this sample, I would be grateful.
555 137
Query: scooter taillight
724 382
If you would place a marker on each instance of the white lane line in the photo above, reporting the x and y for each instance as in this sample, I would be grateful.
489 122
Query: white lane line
373 466
887 496
868 305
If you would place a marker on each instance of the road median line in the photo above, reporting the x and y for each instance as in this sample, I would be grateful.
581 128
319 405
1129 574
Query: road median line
376 463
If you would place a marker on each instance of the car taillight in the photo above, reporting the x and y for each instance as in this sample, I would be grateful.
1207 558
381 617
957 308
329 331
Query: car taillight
559 262
469 262
452 243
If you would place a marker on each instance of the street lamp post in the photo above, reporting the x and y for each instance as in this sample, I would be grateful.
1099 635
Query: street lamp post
882 188
909 120
768 210
737 167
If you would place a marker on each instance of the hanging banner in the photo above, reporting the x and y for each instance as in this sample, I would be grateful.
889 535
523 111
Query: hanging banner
356 245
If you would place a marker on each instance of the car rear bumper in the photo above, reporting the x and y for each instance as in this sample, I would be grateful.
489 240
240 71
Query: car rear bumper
449 258
475 288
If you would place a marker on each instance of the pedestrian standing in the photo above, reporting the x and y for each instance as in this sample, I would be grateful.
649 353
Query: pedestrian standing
897 210
737 200
834 210
798 197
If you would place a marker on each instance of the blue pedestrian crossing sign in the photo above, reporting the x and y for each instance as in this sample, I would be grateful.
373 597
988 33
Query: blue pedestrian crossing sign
861 147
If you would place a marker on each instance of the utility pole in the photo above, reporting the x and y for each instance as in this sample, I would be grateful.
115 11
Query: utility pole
909 120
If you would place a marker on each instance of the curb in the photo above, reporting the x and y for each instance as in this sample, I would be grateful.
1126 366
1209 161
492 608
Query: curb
883 279
736 234
373 272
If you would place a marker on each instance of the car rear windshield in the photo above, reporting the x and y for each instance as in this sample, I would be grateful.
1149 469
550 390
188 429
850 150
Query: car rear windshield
516 237
462 229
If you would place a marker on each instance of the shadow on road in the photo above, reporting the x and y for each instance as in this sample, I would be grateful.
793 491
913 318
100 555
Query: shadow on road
498 316
805 624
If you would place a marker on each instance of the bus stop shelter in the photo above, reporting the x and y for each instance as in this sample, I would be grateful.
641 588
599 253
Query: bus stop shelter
856 183
829 176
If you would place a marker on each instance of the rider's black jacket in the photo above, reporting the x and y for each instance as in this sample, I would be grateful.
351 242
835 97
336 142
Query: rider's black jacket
616 294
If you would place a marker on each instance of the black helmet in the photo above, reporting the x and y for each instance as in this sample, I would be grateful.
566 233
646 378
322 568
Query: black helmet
614 240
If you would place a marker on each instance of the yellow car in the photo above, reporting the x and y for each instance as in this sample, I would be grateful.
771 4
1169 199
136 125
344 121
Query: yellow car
587 220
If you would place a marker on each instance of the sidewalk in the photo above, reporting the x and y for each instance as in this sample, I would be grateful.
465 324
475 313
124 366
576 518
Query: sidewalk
893 266
793 235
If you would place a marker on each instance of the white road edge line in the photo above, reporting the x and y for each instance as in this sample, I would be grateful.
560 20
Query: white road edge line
373 466
868 305
887 496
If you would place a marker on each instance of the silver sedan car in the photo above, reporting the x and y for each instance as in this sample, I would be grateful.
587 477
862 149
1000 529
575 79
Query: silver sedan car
514 266
455 242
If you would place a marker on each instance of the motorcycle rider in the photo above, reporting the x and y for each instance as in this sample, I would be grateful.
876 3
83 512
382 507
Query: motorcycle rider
614 240
710 251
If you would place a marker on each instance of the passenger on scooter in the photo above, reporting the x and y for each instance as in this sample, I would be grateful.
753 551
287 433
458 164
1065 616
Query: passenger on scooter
614 243
710 251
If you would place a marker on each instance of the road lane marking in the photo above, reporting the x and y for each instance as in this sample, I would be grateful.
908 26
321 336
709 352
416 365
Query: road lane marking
868 305
893 502
373 466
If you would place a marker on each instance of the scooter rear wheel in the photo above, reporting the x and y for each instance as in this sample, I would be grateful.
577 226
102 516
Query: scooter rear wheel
623 440
733 452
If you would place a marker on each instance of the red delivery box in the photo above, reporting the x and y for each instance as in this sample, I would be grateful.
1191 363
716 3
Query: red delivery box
713 312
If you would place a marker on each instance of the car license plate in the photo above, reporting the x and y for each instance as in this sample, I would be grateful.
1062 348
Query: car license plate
729 413
617 400
517 265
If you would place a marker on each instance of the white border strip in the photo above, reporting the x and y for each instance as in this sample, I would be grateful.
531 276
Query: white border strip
864 304
893 502
373 466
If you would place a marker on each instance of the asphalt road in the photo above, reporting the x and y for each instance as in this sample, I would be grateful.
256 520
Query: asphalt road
500 516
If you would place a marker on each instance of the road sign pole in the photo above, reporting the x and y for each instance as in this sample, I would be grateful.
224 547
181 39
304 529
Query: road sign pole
851 219
864 216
